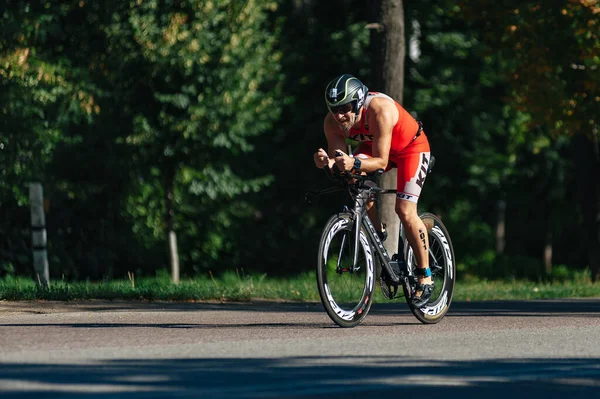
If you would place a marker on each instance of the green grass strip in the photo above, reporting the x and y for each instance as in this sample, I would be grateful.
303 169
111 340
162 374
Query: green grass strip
235 287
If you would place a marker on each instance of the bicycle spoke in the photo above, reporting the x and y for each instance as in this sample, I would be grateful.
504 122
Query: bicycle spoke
341 250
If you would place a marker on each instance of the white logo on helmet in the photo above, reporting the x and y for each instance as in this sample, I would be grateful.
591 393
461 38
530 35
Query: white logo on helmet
361 98
333 92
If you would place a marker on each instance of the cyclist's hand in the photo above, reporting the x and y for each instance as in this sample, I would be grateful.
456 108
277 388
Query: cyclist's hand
321 158
343 161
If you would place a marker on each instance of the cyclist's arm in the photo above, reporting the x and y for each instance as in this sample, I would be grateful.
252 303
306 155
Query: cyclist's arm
336 139
382 116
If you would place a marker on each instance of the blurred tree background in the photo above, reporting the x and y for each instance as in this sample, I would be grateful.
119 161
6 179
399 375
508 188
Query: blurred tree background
194 123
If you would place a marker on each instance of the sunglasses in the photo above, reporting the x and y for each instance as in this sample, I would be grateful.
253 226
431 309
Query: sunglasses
341 109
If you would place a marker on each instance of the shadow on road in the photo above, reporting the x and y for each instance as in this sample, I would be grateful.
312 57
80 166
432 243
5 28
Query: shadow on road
303 377
537 308
534 308
559 307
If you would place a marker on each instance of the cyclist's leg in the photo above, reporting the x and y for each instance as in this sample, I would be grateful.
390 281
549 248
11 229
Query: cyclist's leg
412 170
416 234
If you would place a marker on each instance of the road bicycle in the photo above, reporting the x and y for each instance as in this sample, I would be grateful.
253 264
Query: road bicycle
352 258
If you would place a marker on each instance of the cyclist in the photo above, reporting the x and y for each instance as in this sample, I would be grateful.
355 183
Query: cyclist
389 137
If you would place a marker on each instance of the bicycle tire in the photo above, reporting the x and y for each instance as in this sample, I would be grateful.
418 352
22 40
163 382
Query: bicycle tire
340 281
442 250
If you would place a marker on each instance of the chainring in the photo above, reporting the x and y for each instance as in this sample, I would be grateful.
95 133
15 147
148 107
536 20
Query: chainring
389 289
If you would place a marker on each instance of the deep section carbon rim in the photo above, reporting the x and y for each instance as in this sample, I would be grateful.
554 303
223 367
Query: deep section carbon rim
346 289
443 268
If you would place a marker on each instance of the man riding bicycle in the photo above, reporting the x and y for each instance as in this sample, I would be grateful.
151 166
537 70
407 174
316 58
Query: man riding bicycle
389 137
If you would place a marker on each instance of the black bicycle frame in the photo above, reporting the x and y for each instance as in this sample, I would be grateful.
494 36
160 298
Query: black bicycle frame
359 210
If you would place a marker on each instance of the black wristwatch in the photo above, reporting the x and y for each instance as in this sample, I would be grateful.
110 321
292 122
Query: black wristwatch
357 164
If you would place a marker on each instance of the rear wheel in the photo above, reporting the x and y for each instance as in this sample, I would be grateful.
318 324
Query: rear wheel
346 289
443 271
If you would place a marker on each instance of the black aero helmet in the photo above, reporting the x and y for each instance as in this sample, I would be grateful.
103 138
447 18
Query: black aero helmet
346 89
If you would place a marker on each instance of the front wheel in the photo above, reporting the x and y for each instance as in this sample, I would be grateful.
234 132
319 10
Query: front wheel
443 271
346 289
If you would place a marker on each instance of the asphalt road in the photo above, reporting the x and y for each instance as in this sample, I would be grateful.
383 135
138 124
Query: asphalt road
128 350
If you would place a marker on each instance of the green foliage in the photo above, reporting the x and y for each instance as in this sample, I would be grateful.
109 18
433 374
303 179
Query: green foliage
283 235
457 94
210 76
551 57
44 92
41 93
203 115
490 153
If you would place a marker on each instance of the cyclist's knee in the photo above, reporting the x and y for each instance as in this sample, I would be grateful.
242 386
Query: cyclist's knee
406 210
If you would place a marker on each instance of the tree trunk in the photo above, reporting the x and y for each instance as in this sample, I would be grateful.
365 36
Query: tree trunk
548 250
171 235
587 164
38 234
501 227
388 49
